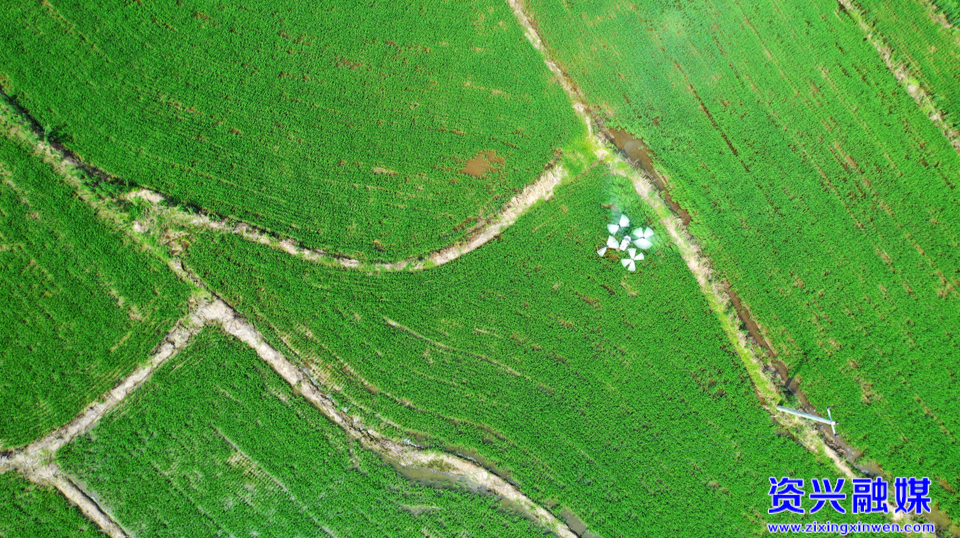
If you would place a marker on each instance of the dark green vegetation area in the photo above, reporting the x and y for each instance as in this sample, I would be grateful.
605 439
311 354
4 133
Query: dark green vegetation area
344 125
82 306
217 444
818 188
30 511
609 393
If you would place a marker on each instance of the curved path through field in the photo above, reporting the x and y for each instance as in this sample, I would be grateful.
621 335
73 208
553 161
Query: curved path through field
33 460
487 229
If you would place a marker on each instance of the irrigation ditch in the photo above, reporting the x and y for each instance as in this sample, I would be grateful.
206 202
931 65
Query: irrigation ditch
770 377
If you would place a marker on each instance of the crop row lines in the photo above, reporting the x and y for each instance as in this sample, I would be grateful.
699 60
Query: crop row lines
701 267
31 460
903 74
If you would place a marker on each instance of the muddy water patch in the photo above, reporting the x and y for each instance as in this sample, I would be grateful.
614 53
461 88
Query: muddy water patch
638 153
752 326
435 478
481 163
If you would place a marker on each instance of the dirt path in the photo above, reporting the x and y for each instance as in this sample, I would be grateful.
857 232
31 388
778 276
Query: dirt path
399 454
542 189
33 461
904 75
936 14
175 340
51 475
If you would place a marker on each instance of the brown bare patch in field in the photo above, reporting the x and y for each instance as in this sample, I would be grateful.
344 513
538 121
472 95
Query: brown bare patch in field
481 163
378 170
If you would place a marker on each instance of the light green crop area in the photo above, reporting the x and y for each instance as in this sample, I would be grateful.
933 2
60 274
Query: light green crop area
348 126
30 511
815 184
82 304
217 444
610 393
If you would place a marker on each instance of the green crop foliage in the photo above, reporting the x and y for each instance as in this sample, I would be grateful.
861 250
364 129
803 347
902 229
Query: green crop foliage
344 125
816 185
217 444
82 305
930 51
29 511
950 9
610 393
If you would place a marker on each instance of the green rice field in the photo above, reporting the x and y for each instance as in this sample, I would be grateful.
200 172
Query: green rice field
219 445
345 177
241 111
82 305
609 393
30 511
816 185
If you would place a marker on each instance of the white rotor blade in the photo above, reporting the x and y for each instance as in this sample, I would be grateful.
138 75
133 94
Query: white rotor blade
638 257
632 267
626 262
602 251
632 252
648 233
624 221
643 243
613 228
612 242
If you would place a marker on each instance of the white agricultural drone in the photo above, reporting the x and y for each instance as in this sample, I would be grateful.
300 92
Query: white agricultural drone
640 237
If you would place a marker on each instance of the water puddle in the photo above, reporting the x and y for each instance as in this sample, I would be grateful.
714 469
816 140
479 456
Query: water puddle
481 163
639 154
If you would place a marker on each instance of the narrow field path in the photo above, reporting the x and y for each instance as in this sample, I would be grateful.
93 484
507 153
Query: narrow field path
33 461
698 263
51 475
398 454
901 71
24 127
487 229
936 14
